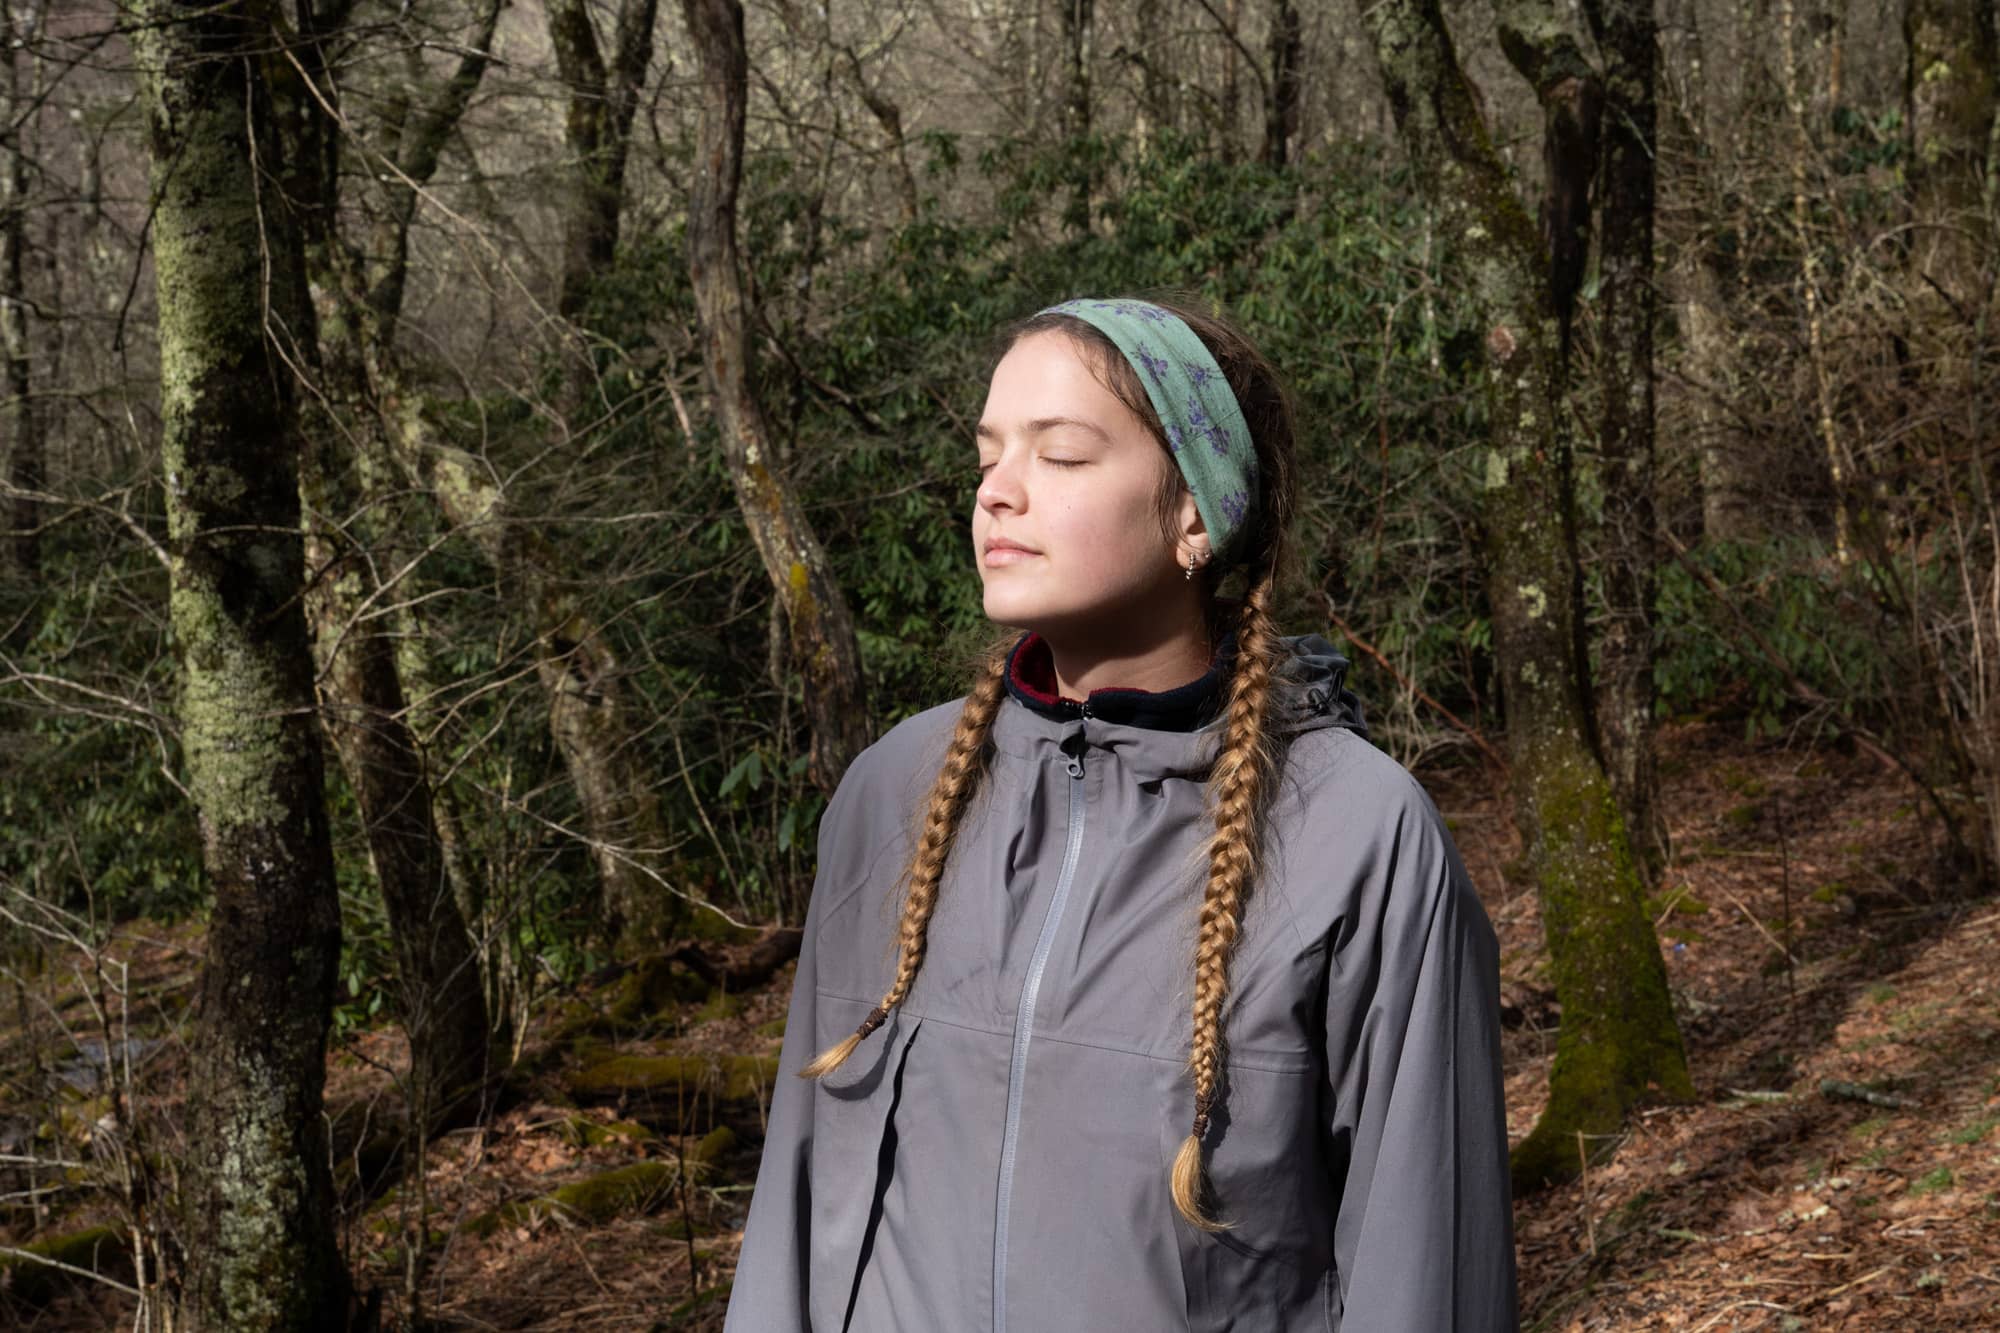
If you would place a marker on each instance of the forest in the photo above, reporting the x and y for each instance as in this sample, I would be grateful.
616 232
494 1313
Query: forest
474 474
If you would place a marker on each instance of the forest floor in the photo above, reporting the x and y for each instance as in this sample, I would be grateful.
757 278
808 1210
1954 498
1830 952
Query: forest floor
1839 1167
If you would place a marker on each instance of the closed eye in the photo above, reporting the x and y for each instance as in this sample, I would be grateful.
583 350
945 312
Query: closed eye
1065 462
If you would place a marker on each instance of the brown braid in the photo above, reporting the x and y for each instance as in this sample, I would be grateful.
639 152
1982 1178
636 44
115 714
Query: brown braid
1238 786
951 793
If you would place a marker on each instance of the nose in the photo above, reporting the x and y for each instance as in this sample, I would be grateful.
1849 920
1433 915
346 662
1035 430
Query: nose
1000 487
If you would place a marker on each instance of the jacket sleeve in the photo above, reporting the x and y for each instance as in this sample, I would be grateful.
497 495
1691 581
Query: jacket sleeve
769 1294
1424 1239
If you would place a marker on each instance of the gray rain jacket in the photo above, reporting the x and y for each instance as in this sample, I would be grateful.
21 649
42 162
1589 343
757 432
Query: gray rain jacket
995 1157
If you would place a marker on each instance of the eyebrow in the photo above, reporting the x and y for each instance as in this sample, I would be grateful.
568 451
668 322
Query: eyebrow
1039 424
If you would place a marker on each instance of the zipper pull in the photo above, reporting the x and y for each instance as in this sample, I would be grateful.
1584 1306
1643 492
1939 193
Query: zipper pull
1072 747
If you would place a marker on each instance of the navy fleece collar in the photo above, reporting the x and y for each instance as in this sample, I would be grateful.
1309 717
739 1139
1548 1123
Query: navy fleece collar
1031 680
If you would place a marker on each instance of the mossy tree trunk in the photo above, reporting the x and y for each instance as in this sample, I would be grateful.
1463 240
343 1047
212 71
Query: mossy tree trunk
1619 1043
441 997
597 130
823 641
260 1247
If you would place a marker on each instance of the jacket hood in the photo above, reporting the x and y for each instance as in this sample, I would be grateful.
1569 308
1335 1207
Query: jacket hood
1315 692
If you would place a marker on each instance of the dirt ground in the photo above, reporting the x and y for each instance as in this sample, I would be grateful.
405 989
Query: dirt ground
1838 1169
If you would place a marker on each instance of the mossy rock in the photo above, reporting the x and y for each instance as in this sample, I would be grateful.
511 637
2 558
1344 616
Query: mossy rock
653 984
583 1132
610 1195
98 1250
730 1077
721 1005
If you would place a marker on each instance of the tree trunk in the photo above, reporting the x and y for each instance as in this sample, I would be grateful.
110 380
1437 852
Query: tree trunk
1619 1043
440 991
1231 84
822 634
1951 91
1077 27
890 117
440 994
418 147
579 668
597 130
1730 488
1281 102
261 1250
1626 37
26 447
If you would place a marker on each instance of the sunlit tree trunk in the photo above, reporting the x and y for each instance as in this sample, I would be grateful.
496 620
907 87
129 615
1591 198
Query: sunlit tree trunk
823 641
260 1247
1619 1042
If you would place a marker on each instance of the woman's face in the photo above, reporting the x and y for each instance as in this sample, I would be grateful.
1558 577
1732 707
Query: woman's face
1068 479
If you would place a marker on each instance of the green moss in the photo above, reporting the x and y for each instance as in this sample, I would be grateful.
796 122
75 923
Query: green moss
721 1005
733 1077
1973 1132
774 1028
601 1198
584 1132
1933 1181
1619 1043
95 1250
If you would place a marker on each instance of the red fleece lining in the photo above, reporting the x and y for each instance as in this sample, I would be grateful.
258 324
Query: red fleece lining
1035 673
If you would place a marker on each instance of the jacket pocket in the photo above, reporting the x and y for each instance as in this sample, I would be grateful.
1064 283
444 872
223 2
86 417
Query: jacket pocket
1260 1275
853 1161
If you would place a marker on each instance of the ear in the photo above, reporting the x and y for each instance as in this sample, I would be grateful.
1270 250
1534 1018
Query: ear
1193 532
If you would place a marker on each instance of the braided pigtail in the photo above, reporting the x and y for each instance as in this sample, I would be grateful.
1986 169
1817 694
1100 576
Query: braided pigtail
1238 788
951 793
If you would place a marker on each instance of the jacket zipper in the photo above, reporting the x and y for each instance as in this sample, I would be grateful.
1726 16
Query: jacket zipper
1024 1023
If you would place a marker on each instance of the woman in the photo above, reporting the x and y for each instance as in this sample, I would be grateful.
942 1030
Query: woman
1147 994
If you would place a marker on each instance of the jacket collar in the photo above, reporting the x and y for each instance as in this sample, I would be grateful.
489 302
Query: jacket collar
1031 681
1311 695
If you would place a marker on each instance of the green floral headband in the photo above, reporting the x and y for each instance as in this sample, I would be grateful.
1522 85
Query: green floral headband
1205 427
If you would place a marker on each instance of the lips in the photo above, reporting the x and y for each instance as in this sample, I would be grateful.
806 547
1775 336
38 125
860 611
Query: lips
1000 552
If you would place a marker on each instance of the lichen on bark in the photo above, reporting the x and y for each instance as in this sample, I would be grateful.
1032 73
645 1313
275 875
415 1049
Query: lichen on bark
259 1249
